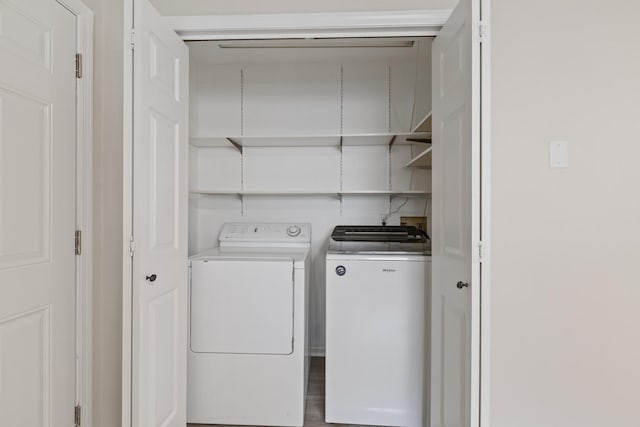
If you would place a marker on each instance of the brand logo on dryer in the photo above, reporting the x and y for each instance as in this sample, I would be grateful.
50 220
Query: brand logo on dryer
341 270
388 270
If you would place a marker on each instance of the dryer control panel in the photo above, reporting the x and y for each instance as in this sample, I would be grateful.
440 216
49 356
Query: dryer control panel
261 234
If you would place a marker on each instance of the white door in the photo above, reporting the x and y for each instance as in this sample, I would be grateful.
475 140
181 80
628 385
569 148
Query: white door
456 143
160 196
37 213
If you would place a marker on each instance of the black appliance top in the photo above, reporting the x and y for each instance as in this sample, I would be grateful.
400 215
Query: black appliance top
375 239
377 233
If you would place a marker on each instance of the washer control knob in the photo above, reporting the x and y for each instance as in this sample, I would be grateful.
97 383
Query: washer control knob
293 231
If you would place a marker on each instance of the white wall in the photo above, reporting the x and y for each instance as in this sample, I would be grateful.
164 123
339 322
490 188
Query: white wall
232 7
107 166
565 335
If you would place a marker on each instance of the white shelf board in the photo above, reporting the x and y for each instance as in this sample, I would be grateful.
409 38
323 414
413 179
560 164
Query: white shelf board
392 193
204 142
408 193
425 124
288 193
422 160
198 193
288 141
367 139
363 139
264 193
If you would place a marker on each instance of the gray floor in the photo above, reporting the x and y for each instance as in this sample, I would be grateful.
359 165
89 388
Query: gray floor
314 413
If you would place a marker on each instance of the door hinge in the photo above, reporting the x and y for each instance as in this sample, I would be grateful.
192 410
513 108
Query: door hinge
78 65
133 39
78 416
132 246
483 251
78 242
482 31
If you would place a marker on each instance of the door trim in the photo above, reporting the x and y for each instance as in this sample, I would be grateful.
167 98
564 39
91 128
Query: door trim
409 23
84 207
484 327
127 212
345 24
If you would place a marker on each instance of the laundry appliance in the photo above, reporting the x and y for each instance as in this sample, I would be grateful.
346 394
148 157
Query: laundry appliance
248 358
377 290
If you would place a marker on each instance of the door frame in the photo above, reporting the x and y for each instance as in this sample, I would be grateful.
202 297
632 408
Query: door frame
84 207
323 25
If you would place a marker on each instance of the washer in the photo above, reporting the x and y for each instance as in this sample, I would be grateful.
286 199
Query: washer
377 295
248 362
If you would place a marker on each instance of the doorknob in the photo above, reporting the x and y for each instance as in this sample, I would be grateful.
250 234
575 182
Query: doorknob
461 285
151 278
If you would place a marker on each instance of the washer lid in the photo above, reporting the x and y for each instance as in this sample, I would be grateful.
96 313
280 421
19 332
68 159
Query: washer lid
296 255
376 239
378 233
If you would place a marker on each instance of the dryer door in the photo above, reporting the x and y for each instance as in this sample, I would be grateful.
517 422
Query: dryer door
242 306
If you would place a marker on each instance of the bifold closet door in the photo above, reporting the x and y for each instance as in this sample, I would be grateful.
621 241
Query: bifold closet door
160 199
456 214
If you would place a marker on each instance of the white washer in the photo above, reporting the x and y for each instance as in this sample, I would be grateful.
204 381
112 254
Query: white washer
377 293
248 355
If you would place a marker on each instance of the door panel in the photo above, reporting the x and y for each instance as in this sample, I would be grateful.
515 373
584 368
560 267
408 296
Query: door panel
25 360
164 365
455 179
37 213
164 146
25 220
159 294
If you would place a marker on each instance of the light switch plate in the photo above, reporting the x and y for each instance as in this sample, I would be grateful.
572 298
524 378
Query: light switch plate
559 154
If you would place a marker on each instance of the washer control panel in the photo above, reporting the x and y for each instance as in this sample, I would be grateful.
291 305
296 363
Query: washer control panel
294 231
265 233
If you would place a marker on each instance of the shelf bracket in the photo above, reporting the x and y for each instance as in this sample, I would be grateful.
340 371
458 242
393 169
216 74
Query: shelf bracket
235 144
393 139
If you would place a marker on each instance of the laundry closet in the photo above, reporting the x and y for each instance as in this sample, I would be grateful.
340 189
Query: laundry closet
322 131
324 127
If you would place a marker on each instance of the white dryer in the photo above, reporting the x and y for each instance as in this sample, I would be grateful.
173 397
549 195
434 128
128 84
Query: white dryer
248 356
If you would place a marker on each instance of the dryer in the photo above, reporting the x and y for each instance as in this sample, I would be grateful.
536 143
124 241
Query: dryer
248 357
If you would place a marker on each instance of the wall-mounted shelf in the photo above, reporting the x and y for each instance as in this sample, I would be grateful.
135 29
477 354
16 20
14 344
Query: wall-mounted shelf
259 193
300 193
365 139
406 193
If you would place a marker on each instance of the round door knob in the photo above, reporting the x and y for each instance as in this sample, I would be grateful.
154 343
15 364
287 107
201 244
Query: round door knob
461 285
151 278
